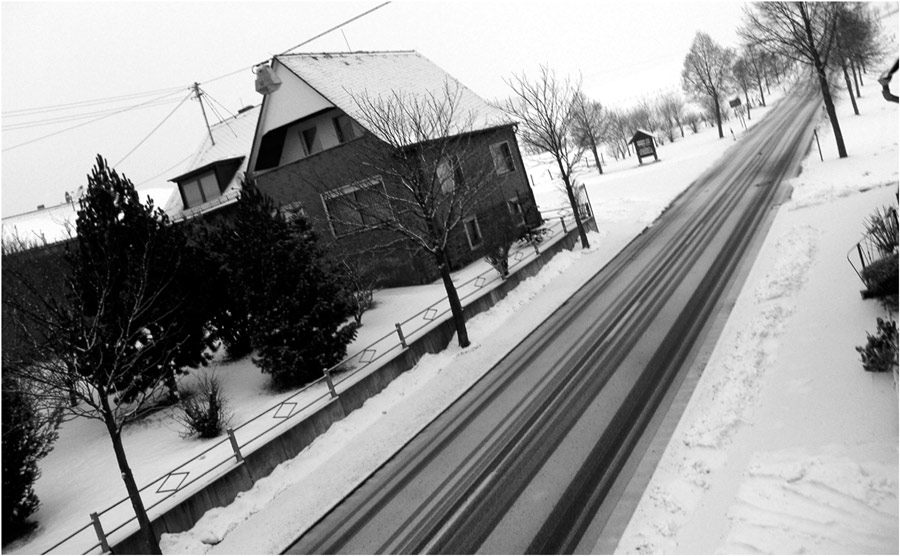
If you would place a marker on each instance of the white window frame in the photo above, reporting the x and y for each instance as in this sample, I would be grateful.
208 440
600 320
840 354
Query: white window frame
346 190
474 220
303 144
501 160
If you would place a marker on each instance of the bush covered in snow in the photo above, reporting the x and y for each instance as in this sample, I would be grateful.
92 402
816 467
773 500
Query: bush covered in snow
880 353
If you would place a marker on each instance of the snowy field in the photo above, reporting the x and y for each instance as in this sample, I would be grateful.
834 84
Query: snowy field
788 446
80 475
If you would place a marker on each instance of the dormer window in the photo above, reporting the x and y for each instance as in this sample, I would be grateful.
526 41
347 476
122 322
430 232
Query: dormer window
206 183
345 128
200 189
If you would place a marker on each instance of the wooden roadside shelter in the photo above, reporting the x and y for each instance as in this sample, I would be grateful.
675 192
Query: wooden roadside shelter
644 145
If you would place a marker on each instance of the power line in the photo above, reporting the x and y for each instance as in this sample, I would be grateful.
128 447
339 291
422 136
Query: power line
182 161
352 19
70 105
74 117
82 124
153 130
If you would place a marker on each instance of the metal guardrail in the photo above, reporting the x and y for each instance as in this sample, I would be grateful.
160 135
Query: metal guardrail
558 221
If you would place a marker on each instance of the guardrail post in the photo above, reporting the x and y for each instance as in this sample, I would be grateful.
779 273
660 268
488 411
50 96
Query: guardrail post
400 333
234 446
104 545
562 220
330 384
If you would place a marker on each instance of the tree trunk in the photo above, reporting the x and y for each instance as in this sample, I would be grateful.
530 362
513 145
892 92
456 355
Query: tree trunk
572 201
762 97
718 116
134 494
849 87
596 157
823 84
456 308
854 71
747 98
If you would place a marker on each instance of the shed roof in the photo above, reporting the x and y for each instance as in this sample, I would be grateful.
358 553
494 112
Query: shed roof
341 77
641 134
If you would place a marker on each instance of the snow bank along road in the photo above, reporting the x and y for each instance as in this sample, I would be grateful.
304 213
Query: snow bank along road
524 460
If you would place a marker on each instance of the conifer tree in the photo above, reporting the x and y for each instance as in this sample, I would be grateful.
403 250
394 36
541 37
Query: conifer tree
296 310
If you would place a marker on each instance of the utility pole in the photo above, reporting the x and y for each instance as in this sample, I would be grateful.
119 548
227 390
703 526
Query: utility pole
199 95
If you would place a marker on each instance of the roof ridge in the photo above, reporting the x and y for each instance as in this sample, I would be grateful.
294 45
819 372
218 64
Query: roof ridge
351 53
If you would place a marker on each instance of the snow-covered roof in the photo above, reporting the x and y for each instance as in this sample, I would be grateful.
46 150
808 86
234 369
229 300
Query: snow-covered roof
231 140
339 77
44 225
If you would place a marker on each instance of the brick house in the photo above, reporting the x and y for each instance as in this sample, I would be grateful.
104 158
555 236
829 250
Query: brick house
307 155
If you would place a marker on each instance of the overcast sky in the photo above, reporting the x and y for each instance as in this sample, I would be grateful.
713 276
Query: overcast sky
59 53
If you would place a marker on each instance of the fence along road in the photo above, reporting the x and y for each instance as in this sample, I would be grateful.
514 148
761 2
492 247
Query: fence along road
524 460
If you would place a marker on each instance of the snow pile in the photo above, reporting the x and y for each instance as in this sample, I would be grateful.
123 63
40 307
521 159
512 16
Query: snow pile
322 474
834 499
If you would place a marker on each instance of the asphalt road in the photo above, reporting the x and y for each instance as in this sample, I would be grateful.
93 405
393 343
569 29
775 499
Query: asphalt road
525 459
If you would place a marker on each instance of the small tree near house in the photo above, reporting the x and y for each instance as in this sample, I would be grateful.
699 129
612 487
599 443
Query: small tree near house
295 306
109 344
415 179
545 108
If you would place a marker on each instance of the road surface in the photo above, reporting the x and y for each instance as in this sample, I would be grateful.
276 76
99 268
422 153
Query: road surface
524 461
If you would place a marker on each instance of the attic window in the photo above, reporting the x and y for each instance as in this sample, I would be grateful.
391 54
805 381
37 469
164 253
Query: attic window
311 140
199 190
345 128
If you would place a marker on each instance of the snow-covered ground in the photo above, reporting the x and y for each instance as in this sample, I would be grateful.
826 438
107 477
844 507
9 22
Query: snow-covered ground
787 446
80 475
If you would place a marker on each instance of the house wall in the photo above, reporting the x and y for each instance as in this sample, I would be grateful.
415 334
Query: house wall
306 179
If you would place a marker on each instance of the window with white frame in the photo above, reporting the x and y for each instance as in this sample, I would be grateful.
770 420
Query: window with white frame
516 211
503 158
200 189
355 207
473 232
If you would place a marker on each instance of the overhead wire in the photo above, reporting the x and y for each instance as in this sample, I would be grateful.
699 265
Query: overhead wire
169 91
82 124
70 105
153 130
74 117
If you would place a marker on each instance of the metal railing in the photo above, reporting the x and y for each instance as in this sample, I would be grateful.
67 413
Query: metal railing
867 250
304 402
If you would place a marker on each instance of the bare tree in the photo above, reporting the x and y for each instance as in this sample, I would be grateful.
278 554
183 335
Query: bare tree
417 178
741 72
617 132
707 68
545 109
856 44
804 32
589 124
755 65
671 110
